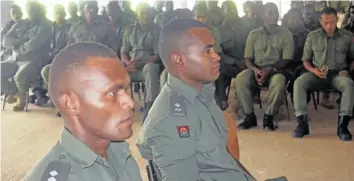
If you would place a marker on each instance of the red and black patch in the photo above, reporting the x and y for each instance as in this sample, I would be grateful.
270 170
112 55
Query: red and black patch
183 131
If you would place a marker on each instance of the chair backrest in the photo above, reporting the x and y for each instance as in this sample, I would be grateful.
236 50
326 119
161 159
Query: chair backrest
232 139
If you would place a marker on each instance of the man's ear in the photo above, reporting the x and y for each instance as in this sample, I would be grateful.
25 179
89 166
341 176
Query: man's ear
70 103
178 60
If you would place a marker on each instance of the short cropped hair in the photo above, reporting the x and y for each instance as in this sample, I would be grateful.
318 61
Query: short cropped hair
72 58
173 36
328 11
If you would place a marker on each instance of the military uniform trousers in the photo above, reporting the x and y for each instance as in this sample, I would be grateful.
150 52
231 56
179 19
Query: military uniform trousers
227 72
45 73
246 84
21 73
163 78
150 76
308 81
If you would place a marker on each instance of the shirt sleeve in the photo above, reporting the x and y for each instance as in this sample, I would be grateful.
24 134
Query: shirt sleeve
156 41
288 49
308 53
126 47
249 48
43 35
173 149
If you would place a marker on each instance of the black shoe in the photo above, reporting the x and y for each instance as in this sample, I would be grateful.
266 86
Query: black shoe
40 101
249 122
223 105
342 131
58 114
268 123
303 128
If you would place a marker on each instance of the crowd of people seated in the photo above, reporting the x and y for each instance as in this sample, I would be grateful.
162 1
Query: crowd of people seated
186 60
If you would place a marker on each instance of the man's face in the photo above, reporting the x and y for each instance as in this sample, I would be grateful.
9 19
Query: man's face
169 6
144 16
252 13
271 16
200 17
90 11
351 12
16 14
72 9
320 5
106 107
114 13
329 23
295 21
201 63
296 4
60 15
309 16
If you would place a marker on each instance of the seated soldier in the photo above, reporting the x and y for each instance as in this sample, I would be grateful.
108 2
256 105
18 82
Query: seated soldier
60 37
294 24
233 39
30 42
349 25
251 20
140 54
268 50
295 6
325 58
188 141
90 87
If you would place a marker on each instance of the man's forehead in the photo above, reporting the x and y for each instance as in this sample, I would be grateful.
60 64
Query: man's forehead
201 34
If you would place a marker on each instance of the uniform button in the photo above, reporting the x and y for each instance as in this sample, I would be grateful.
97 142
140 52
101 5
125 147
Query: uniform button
62 157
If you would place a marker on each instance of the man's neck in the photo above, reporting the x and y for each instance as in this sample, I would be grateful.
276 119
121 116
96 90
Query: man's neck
195 84
270 28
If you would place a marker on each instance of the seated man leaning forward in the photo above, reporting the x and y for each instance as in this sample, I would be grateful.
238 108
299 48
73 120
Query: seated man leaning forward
89 86
268 50
187 141
326 55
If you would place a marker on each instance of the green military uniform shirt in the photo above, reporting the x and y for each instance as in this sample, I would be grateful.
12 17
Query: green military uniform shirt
332 52
98 31
141 44
30 41
72 160
185 134
60 36
269 48
250 24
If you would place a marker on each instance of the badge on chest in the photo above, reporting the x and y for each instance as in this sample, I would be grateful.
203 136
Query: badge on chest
183 131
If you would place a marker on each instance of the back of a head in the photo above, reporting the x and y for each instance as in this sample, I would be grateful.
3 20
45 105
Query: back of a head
174 36
70 60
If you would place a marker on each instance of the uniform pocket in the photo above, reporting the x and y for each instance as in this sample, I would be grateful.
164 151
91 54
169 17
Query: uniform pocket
207 142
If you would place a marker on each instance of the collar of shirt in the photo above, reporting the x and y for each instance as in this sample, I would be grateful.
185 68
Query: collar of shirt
84 155
272 32
206 94
337 32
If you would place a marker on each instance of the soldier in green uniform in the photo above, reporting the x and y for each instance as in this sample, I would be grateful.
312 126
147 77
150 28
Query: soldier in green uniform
268 50
233 39
129 16
295 5
115 14
92 27
72 10
89 86
164 17
30 43
140 54
325 57
188 141
350 22
251 19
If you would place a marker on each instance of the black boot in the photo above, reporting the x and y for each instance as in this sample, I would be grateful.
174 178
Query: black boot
268 123
342 131
41 96
249 122
58 114
303 127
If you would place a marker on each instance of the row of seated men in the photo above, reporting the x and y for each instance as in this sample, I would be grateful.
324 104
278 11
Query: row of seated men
188 140
138 50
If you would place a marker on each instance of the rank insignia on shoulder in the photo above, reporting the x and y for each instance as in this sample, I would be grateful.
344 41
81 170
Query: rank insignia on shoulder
177 106
56 171
183 131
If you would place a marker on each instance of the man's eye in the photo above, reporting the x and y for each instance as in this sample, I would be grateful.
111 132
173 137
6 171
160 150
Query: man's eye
114 93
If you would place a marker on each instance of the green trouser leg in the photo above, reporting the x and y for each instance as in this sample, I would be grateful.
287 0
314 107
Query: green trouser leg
45 73
8 70
245 83
27 73
163 78
344 85
309 81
